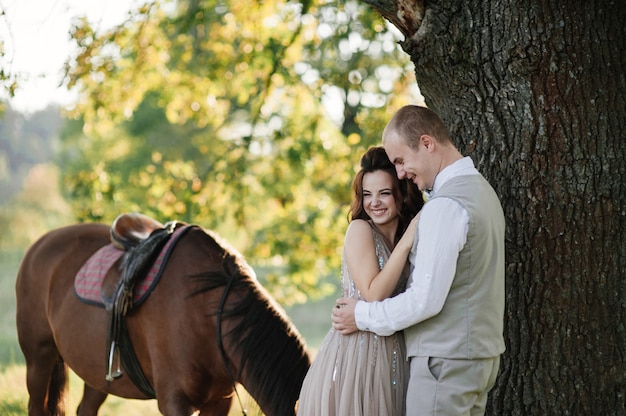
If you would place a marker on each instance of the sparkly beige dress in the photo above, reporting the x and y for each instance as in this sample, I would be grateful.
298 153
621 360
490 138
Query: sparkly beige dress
361 373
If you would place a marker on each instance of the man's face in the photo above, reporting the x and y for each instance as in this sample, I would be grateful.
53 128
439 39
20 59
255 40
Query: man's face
409 163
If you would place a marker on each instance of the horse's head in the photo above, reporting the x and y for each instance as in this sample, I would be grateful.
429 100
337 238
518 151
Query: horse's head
267 353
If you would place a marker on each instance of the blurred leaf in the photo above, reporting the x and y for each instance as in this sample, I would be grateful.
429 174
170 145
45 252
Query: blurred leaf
246 118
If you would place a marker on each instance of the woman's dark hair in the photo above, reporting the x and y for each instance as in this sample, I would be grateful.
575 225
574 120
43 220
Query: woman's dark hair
406 194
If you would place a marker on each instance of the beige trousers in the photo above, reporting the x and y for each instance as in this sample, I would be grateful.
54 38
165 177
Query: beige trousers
449 387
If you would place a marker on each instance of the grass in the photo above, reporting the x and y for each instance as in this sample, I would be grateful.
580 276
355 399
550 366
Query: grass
311 319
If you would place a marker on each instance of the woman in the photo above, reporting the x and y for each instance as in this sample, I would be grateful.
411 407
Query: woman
363 373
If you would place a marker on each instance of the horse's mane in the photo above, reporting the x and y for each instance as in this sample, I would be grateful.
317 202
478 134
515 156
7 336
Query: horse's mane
272 351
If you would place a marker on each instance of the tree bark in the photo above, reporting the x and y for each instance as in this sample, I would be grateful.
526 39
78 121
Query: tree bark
534 91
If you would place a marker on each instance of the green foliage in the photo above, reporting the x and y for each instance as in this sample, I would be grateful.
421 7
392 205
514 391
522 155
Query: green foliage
246 118
9 80
9 348
36 209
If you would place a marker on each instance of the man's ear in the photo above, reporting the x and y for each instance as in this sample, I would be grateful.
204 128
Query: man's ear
428 142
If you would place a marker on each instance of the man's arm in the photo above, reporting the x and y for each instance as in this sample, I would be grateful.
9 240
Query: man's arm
442 234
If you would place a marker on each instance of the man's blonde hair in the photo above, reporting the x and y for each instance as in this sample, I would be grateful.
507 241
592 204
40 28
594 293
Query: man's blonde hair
412 121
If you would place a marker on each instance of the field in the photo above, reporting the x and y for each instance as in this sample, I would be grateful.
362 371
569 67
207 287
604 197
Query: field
312 319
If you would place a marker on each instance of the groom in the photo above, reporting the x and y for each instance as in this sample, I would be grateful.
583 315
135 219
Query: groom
453 310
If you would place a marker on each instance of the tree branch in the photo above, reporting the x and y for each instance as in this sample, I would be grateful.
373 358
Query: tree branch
406 15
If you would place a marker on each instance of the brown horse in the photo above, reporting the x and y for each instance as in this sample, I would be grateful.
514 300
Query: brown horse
174 332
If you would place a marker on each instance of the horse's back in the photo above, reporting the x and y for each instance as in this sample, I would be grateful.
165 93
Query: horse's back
59 252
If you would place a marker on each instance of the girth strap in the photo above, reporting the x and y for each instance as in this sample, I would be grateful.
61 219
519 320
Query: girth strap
131 364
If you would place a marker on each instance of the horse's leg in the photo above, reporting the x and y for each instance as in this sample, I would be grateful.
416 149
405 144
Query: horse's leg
91 402
45 372
40 364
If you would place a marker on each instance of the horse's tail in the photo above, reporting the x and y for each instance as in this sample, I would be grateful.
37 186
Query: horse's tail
57 389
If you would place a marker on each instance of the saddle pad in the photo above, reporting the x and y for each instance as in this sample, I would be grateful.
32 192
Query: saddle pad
89 279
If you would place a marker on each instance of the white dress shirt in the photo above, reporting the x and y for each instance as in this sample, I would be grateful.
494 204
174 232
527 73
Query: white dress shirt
442 233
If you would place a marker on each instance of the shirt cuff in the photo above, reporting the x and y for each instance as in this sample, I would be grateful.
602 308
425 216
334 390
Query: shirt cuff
361 313
365 322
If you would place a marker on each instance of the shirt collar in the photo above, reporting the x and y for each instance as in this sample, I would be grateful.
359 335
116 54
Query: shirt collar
464 166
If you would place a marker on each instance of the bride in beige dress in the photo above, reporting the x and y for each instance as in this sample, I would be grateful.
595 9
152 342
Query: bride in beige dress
363 373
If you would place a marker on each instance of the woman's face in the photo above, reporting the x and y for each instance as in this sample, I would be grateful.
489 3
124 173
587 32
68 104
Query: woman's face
378 200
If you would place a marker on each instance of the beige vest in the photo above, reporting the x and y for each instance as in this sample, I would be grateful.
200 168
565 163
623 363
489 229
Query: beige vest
470 325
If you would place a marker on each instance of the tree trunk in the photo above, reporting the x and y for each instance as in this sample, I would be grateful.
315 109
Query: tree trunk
534 91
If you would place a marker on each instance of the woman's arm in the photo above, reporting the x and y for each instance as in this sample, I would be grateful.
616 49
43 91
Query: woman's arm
360 256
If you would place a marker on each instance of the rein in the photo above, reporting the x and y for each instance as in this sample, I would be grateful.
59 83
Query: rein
220 344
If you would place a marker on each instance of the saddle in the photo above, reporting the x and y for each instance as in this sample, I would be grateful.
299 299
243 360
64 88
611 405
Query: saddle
130 229
142 238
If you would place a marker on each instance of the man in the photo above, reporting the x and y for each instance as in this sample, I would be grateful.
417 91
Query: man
453 310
